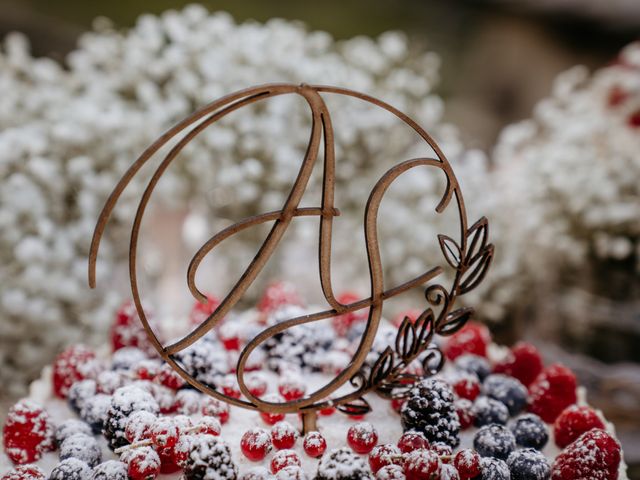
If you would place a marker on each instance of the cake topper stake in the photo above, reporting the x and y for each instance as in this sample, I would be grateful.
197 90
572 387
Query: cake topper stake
470 257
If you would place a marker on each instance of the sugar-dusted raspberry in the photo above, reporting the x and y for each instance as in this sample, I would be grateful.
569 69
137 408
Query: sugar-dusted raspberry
28 432
464 409
362 437
147 369
528 464
391 472
168 377
494 441
209 425
292 387
83 447
284 458
164 433
343 323
202 310
594 455
110 470
143 463
187 401
70 469
138 426
397 403
314 444
487 411
292 472
69 428
411 440
230 335
215 408
255 444
467 386
506 390
182 450
573 422
165 397
283 435
524 362
422 465
473 338
383 455
552 391
277 295
530 431
343 464
467 462
76 363
25 472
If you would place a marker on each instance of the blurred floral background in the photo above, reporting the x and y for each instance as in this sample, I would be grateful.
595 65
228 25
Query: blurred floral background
536 104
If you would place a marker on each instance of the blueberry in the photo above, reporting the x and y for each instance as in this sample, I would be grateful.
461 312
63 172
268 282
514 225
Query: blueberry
530 431
71 469
94 411
494 441
494 469
110 470
69 428
79 392
487 411
528 464
473 364
82 447
507 390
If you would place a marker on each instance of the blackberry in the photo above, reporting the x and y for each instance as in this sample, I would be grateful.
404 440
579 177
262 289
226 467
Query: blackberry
530 431
79 392
494 469
528 464
205 361
507 390
110 470
343 464
494 441
209 457
83 447
71 469
71 427
304 346
429 409
124 402
95 411
475 364
257 473
487 411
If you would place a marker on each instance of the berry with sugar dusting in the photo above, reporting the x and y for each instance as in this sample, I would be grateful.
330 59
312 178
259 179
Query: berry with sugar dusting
187 401
292 472
125 401
467 386
473 338
283 435
209 425
83 447
110 470
383 455
411 440
487 411
552 391
474 364
256 384
314 444
422 465
467 462
69 428
594 455
164 433
494 469
528 464
70 469
182 450
530 431
524 363
506 390
143 463
215 408
80 392
168 377
255 444
127 329
362 437
230 386
138 426
28 432
573 422
464 409
95 412
202 310
76 363
25 472
292 388
397 403
343 464
277 295
443 450
391 472
494 441
283 459
448 472
257 473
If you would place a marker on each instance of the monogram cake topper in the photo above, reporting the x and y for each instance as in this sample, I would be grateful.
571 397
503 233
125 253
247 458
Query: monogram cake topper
469 256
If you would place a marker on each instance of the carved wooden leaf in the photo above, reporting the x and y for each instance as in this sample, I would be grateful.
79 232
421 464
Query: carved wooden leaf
450 250
424 328
382 368
454 321
406 339
477 239
477 270
359 406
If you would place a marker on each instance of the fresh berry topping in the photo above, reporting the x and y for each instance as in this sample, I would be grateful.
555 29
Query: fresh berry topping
74 364
69 428
80 392
257 473
573 422
110 470
467 386
168 377
474 364
182 450
277 295
429 409
143 463
391 472
292 388
314 444
410 441
83 447
210 457
528 464
127 329
25 472
215 408
271 418
443 450
147 369
283 435
164 433
209 426
292 472
109 381
138 426
362 437
422 465
383 455
127 358
343 464
201 310
343 323
594 455
487 411
467 462
255 444
256 384
494 469
284 458
552 391
523 363
530 431
124 402
187 402
448 472
28 433
473 338
70 469
494 441
464 409
506 390
95 412
397 403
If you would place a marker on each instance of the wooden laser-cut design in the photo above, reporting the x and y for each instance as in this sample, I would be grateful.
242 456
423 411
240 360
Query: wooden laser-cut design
470 256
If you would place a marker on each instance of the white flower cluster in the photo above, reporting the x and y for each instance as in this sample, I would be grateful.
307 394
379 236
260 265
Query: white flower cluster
67 133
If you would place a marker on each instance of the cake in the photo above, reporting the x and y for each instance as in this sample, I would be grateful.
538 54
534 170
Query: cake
491 413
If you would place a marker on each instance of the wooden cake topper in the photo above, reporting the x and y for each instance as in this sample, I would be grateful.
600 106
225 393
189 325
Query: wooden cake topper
470 256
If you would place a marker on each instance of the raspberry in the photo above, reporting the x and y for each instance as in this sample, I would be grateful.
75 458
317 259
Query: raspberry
464 409
494 441
28 432
168 377
147 369
164 433
573 422
391 472
283 435
278 295
410 441
422 465
343 323
201 310
617 96
362 437
314 444
594 455
284 458
523 362
397 403
255 444
142 463
467 462
383 455
448 472
215 408
25 472
552 391
467 387
127 329
473 338
72 365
